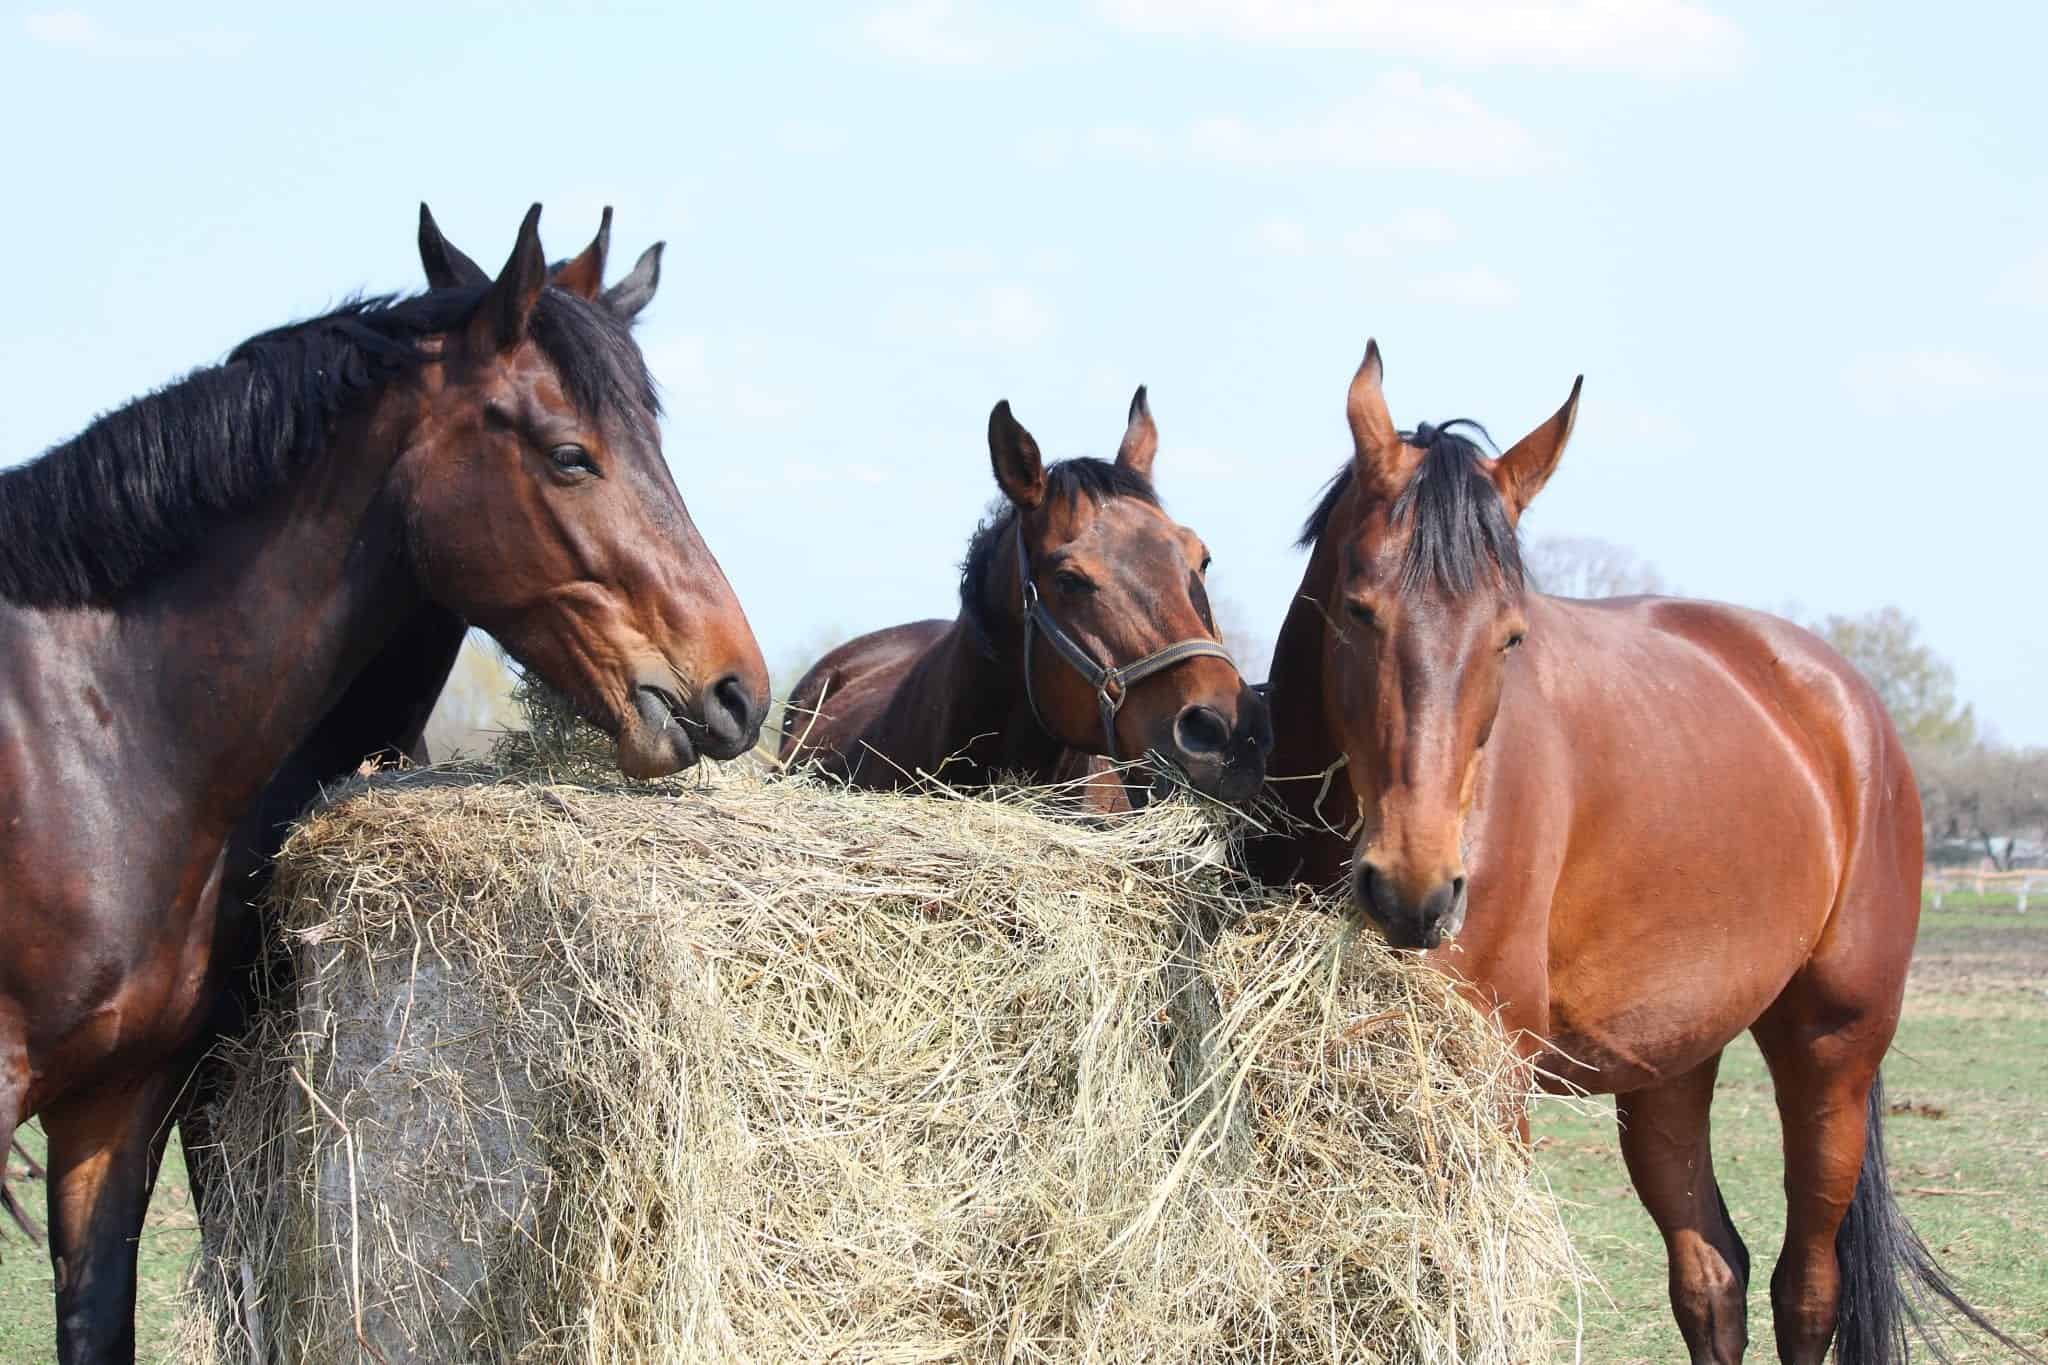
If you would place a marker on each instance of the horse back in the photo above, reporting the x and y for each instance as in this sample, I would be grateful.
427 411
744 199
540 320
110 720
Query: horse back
845 695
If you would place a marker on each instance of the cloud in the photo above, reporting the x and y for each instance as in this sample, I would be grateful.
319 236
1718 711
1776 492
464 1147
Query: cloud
1401 122
1283 237
1419 227
2028 282
1009 315
802 475
1129 141
925 32
1474 287
1928 373
1643 37
77 31
679 366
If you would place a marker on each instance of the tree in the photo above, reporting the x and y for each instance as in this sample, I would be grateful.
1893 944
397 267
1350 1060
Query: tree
1985 796
1915 684
1583 566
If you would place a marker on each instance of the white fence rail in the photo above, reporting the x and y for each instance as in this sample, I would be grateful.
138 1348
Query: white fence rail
2021 883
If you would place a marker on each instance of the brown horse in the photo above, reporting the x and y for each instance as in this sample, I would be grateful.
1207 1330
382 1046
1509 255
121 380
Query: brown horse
1636 828
1084 629
188 587
381 718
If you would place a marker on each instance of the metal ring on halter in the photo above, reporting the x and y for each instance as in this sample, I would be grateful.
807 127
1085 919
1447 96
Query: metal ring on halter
1098 675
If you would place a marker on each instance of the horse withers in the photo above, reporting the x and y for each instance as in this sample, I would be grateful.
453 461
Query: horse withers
1084 630
189 587
1634 827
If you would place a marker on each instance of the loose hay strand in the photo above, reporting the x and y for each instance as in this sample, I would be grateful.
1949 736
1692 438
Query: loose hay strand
746 1070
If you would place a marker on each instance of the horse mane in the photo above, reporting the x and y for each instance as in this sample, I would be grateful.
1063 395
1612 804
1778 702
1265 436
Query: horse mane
1083 476
92 517
1459 528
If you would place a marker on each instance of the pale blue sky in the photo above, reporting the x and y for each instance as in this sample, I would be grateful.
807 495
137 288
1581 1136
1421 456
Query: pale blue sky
1801 259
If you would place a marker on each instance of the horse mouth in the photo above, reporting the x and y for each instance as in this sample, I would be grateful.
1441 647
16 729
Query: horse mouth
662 739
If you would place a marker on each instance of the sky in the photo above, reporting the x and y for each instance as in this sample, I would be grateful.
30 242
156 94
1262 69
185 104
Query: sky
1800 258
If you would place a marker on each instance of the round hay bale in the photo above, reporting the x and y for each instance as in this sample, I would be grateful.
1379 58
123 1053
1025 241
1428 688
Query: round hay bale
748 1071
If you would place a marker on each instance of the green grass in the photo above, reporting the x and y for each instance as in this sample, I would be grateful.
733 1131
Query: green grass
170 1235
1973 1049
1968 1140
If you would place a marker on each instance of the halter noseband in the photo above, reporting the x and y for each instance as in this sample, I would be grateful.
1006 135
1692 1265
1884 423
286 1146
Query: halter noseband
1097 675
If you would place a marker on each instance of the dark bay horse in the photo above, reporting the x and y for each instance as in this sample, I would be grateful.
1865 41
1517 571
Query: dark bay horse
381 717
1084 629
1636 827
189 587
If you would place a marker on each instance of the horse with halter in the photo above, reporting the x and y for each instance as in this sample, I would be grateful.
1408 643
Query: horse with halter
189 587
1634 828
1084 629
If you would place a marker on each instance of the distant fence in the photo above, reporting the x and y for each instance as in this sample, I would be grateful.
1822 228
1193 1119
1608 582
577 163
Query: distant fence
2019 884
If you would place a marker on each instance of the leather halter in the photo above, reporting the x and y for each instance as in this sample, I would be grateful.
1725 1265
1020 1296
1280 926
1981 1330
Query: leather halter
1038 618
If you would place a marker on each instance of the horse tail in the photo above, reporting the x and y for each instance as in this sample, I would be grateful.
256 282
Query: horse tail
1892 1288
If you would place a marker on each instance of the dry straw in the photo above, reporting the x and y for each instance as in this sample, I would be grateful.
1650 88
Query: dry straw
750 1070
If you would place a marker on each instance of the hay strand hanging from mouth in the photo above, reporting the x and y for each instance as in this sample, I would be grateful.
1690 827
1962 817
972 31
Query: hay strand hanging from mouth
740 1070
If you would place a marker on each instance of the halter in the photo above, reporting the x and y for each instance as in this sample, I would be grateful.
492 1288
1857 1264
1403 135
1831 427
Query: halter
1038 618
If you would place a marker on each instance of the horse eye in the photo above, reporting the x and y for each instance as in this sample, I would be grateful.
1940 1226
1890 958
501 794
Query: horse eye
1072 582
1515 639
1361 613
572 459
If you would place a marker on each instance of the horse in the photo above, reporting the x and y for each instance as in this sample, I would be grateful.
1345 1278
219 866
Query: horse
189 586
1634 828
1084 630
380 719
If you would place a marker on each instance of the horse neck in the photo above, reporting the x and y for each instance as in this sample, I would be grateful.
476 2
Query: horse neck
1303 748
241 649
966 699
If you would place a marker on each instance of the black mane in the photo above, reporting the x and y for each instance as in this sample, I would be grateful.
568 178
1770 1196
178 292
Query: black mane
1459 527
87 520
1084 476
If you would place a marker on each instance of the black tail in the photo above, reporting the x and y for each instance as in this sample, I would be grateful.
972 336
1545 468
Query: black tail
1892 1290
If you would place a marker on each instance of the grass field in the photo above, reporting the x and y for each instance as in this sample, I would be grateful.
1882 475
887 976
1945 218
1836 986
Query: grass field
1968 1080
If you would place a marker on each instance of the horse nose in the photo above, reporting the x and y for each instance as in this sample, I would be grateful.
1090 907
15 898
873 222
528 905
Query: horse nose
1201 732
1407 919
732 717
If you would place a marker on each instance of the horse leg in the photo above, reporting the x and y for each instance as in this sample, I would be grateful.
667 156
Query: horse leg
104 1150
1664 1139
1823 1063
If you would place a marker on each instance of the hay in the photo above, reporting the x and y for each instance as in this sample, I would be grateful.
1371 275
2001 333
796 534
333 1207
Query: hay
772 1072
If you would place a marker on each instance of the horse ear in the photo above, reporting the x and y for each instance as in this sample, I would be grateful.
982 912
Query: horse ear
446 266
583 274
1521 473
1141 439
1376 444
1020 471
636 290
499 322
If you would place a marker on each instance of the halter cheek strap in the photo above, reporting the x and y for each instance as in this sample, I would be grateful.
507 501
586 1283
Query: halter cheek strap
1112 685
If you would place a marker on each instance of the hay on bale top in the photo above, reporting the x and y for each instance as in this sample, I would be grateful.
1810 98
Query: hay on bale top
776 1071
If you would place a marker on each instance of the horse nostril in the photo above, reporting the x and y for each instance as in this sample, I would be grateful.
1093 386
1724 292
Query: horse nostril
729 714
1457 889
1201 730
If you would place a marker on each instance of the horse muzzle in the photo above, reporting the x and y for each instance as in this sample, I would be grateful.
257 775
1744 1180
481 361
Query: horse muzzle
1410 918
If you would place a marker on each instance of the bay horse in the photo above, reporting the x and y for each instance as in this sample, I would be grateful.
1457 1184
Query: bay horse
381 717
1634 828
1084 629
187 589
